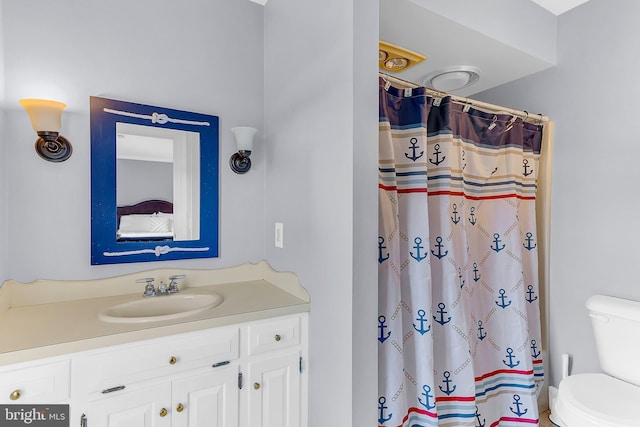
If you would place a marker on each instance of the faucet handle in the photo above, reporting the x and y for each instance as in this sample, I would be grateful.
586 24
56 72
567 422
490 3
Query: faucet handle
173 284
149 289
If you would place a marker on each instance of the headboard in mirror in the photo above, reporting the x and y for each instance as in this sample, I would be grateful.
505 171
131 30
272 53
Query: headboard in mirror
154 183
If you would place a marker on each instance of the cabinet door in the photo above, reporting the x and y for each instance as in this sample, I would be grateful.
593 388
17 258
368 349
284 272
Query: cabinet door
274 391
36 383
207 399
144 407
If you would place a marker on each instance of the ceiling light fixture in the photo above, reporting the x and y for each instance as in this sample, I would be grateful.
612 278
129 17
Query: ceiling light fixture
453 78
396 59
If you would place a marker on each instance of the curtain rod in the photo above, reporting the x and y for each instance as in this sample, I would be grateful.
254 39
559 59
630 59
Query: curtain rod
531 118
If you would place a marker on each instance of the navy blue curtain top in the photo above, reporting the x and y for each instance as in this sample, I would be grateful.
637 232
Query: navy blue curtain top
443 115
400 111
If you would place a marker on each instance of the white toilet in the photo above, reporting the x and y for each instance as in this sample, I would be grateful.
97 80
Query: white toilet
610 399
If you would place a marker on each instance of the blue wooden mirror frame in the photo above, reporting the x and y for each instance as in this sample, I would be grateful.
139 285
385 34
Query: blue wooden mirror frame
105 249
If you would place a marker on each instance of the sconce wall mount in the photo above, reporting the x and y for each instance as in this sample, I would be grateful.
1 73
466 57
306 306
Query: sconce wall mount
240 162
46 120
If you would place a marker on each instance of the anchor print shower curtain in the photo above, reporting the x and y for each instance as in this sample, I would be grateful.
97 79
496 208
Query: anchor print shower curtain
459 323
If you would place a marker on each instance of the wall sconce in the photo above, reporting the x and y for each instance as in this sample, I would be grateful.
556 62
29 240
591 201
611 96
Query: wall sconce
46 120
240 161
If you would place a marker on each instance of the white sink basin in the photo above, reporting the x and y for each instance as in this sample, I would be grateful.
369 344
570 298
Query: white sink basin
157 308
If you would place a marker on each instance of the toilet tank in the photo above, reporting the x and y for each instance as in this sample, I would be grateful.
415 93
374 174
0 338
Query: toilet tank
616 327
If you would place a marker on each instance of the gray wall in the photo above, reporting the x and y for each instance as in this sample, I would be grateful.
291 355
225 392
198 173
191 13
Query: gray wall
139 180
4 227
365 216
595 237
321 174
206 56
4 208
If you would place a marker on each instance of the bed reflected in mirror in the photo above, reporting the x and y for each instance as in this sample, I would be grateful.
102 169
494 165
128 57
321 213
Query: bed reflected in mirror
154 183
157 165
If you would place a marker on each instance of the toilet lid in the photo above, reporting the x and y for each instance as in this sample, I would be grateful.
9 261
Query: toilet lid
598 400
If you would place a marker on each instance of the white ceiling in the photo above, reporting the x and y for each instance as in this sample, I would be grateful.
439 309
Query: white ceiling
558 7
506 44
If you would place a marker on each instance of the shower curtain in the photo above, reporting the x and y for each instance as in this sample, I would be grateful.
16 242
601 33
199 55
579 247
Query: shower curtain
459 322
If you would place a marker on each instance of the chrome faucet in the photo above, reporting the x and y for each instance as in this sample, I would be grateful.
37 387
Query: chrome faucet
173 284
149 289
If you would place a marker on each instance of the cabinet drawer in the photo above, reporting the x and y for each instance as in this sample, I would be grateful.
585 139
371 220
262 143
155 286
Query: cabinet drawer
44 383
130 363
274 335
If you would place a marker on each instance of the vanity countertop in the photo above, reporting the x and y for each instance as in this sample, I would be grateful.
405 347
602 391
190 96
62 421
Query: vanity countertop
52 317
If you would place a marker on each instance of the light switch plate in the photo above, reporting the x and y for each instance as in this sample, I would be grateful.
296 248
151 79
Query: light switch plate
279 235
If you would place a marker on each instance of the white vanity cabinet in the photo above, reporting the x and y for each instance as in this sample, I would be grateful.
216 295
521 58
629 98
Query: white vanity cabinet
139 406
207 399
239 363
250 374
171 381
274 392
275 367
203 398
34 382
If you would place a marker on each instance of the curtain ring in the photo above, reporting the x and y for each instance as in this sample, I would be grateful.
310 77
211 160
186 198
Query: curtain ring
510 124
493 122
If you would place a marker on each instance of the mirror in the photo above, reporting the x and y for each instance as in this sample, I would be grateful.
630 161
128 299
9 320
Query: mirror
154 183
158 164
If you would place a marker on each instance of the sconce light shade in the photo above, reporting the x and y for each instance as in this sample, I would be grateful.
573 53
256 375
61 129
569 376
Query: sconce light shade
240 162
46 120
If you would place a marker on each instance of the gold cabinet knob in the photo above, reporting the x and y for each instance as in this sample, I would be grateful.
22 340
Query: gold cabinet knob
179 408
15 395
173 360
256 385
278 337
163 412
